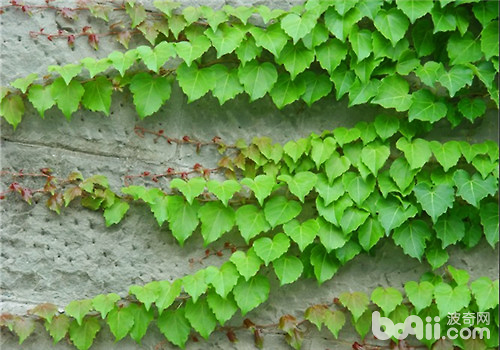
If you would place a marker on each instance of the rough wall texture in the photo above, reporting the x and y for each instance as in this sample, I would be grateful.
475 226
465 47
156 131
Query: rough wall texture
51 258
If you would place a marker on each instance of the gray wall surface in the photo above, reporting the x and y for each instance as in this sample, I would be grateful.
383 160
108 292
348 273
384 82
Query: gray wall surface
47 257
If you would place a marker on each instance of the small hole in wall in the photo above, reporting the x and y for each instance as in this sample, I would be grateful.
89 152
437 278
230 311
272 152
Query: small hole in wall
134 247
70 259
99 130
76 222
104 254
88 257
93 240
47 220
59 255
116 264
66 244
19 38
47 248
91 225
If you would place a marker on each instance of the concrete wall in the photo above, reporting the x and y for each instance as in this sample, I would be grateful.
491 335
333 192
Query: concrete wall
50 258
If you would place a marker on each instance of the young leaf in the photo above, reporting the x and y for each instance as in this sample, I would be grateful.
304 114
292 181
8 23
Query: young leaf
174 326
370 233
329 193
297 26
23 83
250 294
223 308
459 276
419 294
120 322
258 79
82 334
300 184
123 61
336 165
58 327
302 234
271 249
393 24
450 300
412 237
136 12
146 294
67 96
201 317
356 303
45 311
23 327
334 321
417 152
12 109
167 294
341 25
97 96
149 93
273 38
449 229
142 319
216 219
195 284
115 213
40 97
104 303
447 154
182 217
227 84
155 58
95 66
67 72
191 188
278 210
325 265
436 256
485 292
225 190
321 150
387 298
374 156
288 269
248 264
435 201
251 221
78 309
225 38
247 50
223 279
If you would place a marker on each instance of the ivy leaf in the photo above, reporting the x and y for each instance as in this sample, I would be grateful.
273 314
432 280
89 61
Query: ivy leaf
343 80
104 303
45 311
149 93
459 276
176 24
336 165
182 217
201 317
419 294
213 18
248 264
23 83
120 321
168 292
474 188
247 50
146 294
278 210
67 96
358 188
250 294
267 14
225 39
297 26
136 12
393 24
192 50
392 215
39 96
295 58
417 152
330 54
360 93
12 109
424 107
191 188
225 190
23 327
223 308
485 12
251 221
288 269
95 66
286 90
322 150
174 326
429 73
123 61
227 84
370 233
364 323
356 303
142 319
195 284
456 78
463 49
319 86
58 327
447 154
316 314
240 12
348 251
386 126
325 266
387 298
361 42
415 9
436 256
300 184
411 236
271 249
489 40
329 193
435 201
261 185
334 321
78 309
115 213
295 149
258 79
97 96
472 109
216 219
485 292
449 229
393 93
302 234
443 19
195 82
67 72
155 58
82 334
352 219
374 156
401 173
223 279
450 300
273 38
317 36
489 220
340 26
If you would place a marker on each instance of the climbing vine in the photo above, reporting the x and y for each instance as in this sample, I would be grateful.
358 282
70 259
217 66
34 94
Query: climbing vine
376 181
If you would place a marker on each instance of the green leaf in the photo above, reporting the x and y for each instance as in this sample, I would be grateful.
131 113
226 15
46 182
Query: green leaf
155 58
286 91
123 61
95 66
423 37
370 233
182 217
485 292
216 219
195 284
319 85
248 264
12 109
78 309
361 42
325 265
474 188
459 276
23 327
190 51
329 193
273 38
334 321
67 72
472 109
297 26
300 184
240 12
142 319
489 220
251 221
435 201
336 165
412 237
302 234
149 93
348 251
330 54
176 24
322 150
258 79
489 40
360 93
261 185
352 219
115 213
419 294
167 294
247 50
68 96
295 58
267 14
415 9
430 72
417 152
316 314
387 298
393 93
214 18
227 84
330 236
104 303
201 317
97 96
374 156
271 249
363 324
485 12
225 39
386 126
343 80
317 36
250 294
223 308
82 334
447 154
278 210
401 173
58 327
450 300
223 279
46 311
463 49
120 322
424 107
136 12
146 294
358 188
340 26
443 19
436 256
23 83
449 229
456 78
393 24
191 188
356 303
288 269
174 326
39 96
195 83
392 215
225 190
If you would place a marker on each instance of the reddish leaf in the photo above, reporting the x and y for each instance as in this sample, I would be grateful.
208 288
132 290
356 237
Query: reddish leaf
231 336
55 202
287 323
46 311
124 38
257 337
23 327
7 320
94 41
68 13
26 195
71 193
316 314
295 338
